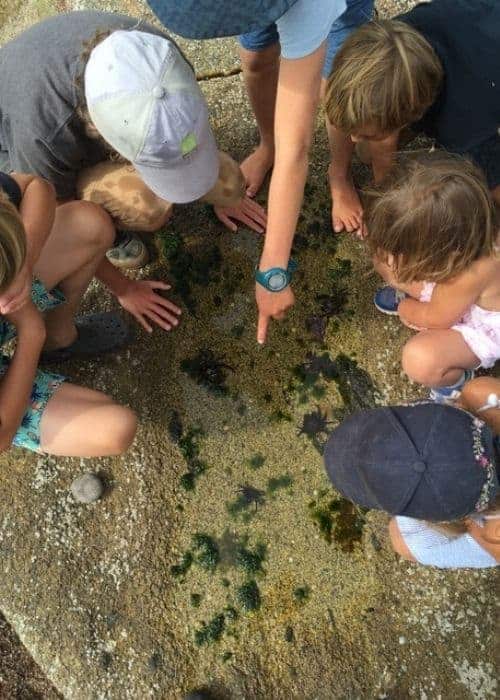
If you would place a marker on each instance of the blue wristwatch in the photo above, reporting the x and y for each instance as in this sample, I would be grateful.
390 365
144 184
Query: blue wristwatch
276 279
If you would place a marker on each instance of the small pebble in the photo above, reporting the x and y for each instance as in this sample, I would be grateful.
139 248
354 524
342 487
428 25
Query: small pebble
87 488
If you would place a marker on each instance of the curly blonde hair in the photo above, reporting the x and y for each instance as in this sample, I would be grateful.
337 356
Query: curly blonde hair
434 216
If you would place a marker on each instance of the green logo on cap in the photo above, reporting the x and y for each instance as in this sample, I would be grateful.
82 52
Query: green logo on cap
188 144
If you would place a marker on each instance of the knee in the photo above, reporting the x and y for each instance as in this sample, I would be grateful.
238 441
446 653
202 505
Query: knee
260 61
419 360
122 430
150 221
94 225
397 541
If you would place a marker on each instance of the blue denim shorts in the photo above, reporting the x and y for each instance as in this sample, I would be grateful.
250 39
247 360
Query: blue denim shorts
356 13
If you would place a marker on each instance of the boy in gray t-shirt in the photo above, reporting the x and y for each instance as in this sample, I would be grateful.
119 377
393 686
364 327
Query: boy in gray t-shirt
44 96
79 86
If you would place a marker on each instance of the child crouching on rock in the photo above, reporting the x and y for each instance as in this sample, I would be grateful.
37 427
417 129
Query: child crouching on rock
434 239
435 468
419 73
47 259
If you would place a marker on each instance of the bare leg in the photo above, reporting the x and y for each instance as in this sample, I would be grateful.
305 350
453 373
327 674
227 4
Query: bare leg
80 422
81 234
260 72
397 541
437 357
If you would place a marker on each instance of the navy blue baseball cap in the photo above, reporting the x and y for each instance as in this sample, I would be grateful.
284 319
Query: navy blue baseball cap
207 19
426 461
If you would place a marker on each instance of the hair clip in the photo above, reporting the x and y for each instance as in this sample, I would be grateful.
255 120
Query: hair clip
493 401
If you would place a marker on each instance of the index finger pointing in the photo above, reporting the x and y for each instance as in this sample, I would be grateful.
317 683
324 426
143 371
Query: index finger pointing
262 324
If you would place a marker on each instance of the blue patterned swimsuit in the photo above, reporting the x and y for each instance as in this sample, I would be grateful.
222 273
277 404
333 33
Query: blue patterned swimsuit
46 383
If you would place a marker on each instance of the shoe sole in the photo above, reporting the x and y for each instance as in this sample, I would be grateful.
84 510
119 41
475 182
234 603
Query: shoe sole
385 311
131 264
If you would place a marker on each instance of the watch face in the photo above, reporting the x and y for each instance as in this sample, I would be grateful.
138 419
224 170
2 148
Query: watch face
277 281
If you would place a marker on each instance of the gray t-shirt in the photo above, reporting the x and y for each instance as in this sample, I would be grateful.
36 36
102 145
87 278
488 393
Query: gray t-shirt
39 130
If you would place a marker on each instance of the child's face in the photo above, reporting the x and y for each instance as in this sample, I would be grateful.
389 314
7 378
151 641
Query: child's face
370 133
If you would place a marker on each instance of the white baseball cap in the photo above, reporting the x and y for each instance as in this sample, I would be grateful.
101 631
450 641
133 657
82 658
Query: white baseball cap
144 100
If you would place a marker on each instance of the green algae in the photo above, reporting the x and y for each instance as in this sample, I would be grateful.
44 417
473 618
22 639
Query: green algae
190 266
206 551
338 520
210 632
276 483
256 461
250 561
356 387
248 596
301 594
195 599
209 371
181 569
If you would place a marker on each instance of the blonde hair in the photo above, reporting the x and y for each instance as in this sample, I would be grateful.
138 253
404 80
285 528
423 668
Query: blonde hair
12 242
386 75
434 216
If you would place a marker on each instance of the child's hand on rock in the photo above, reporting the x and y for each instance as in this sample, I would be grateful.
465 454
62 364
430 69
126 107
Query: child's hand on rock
248 212
141 299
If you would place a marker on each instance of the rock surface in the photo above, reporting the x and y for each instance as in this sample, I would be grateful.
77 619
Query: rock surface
121 600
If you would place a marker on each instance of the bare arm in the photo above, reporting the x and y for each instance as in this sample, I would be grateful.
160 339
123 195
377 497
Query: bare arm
16 384
296 103
37 211
449 302
382 155
342 148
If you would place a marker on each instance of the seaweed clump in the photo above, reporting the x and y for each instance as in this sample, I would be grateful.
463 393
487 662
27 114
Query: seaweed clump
301 594
206 551
210 632
189 444
256 461
339 520
250 560
208 371
355 385
184 565
190 267
276 483
248 596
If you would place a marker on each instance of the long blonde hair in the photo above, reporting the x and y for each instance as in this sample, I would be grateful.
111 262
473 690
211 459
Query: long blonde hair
12 242
386 75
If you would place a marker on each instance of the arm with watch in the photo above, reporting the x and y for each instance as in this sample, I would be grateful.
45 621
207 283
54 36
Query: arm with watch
296 103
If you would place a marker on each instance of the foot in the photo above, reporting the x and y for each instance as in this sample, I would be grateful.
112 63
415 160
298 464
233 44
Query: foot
347 212
387 300
256 167
129 252
449 394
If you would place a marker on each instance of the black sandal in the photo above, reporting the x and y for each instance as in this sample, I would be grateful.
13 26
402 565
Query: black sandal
97 334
